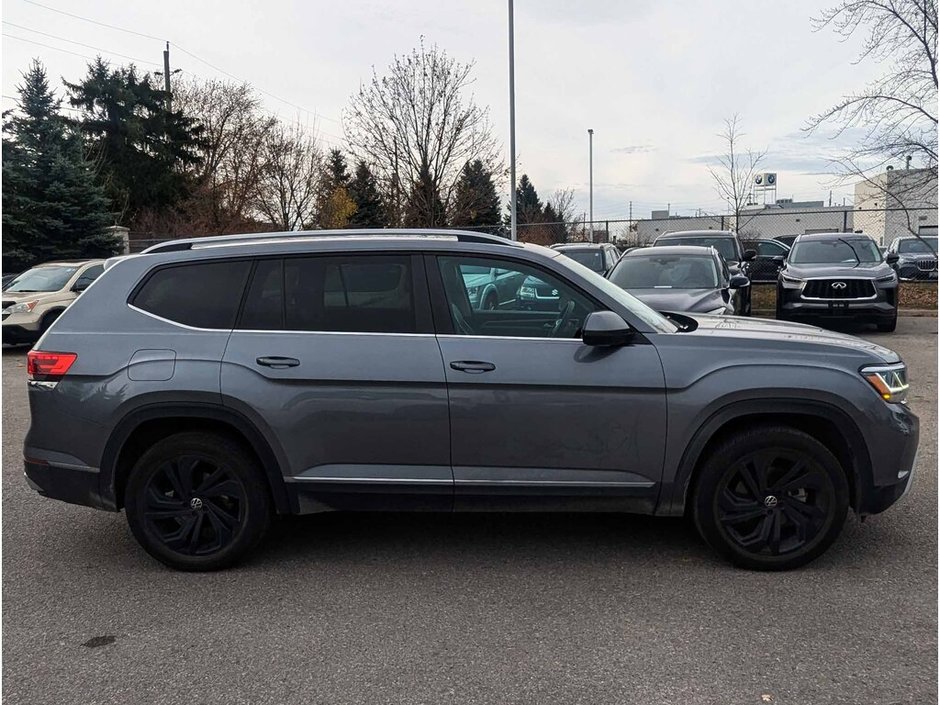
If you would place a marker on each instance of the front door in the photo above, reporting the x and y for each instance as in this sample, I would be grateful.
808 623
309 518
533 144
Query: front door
538 419
336 357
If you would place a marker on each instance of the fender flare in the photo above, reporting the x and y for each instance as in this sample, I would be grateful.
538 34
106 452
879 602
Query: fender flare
673 497
192 410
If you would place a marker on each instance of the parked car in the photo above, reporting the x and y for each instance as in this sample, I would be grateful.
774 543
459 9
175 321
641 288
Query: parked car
769 259
35 298
598 257
684 279
786 239
728 246
7 278
838 276
489 288
917 257
241 377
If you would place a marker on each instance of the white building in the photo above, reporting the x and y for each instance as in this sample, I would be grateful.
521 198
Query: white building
898 203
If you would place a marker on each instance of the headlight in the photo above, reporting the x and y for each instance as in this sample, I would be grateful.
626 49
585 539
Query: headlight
717 312
527 292
889 278
791 282
890 381
22 307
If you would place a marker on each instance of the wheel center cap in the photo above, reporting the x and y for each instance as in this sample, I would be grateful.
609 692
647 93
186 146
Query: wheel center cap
196 503
769 501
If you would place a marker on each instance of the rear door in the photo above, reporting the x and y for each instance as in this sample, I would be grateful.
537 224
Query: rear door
538 419
335 356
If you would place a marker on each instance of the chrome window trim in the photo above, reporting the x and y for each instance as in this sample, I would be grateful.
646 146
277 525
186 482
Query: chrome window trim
455 336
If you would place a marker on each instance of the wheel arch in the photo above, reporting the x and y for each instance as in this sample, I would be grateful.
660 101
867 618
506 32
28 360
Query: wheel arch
144 426
824 421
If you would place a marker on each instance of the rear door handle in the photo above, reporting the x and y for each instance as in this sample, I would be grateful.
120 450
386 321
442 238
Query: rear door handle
278 362
473 367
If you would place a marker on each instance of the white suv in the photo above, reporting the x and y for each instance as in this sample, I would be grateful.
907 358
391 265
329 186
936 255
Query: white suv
35 298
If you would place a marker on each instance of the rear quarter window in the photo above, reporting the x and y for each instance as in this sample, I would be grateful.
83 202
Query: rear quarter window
201 294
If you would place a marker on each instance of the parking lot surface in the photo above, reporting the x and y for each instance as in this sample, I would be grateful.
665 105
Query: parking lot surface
470 608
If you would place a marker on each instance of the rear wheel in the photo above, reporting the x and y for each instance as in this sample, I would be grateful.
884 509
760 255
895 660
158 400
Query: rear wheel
490 303
197 501
771 498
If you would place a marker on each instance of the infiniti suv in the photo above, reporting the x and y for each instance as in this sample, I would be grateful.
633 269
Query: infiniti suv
247 377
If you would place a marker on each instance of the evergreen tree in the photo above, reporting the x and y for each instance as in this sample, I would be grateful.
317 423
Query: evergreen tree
336 169
424 207
52 207
476 202
553 224
528 204
146 153
370 211
335 205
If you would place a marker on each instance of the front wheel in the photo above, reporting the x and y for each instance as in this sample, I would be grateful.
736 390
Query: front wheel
197 501
890 325
771 498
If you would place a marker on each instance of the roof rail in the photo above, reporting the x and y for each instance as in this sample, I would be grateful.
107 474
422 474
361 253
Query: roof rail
459 235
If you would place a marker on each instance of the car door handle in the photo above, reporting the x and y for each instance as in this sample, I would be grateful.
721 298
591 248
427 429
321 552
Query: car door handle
278 362
473 367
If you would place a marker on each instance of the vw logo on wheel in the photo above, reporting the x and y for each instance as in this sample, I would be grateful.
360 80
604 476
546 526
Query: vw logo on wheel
838 285
770 501
195 503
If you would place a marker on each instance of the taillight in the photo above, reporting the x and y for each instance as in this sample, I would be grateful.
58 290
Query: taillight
44 366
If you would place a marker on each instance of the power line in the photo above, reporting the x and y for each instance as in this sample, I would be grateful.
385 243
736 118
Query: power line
81 44
101 24
49 46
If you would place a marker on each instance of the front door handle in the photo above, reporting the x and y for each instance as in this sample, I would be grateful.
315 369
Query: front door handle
473 367
277 362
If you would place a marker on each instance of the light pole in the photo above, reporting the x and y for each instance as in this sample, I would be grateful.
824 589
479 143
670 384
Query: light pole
591 180
512 131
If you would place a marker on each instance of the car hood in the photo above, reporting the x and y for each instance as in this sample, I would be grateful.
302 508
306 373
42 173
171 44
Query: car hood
17 296
786 333
681 300
858 270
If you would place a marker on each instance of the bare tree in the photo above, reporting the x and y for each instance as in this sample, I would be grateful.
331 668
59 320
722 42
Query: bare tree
734 174
417 126
288 186
897 113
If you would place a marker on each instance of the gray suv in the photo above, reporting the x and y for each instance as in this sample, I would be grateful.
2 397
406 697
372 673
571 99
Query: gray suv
208 385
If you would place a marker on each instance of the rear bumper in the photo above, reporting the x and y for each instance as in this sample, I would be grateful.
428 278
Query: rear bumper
72 483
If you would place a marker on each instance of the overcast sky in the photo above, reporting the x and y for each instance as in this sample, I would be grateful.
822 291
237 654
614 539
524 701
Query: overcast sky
653 79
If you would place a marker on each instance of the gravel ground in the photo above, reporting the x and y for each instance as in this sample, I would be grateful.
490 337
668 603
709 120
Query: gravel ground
470 608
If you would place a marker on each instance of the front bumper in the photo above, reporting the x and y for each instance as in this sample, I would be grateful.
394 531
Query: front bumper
894 459
69 483
18 334
840 309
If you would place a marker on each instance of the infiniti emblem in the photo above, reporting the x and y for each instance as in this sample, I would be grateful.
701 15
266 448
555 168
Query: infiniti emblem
838 285
196 503
770 501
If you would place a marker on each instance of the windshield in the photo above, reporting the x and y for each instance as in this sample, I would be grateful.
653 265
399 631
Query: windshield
42 279
639 309
924 246
591 259
666 272
837 251
724 245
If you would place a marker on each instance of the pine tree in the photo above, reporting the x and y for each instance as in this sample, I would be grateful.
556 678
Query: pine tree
528 204
336 169
476 203
370 211
146 153
424 207
52 206
335 205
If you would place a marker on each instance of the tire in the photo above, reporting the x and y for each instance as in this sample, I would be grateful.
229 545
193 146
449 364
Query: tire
490 303
888 326
47 322
176 473
799 474
779 314
746 308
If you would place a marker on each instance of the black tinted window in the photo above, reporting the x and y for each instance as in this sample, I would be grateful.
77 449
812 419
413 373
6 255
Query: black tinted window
360 294
204 295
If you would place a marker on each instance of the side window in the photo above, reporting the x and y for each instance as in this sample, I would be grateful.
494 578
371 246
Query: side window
88 276
202 294
531 302
358 294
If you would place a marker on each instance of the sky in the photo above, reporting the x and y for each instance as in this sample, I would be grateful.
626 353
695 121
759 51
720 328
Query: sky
654 80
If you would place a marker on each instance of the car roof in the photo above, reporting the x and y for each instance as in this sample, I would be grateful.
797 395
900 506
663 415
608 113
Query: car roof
833 236
580 245
68 262
696 233
672 250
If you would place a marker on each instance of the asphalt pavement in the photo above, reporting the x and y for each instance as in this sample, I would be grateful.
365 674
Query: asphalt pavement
470 608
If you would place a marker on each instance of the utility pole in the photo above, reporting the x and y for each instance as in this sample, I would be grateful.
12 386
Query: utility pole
830 198
166 77
591 178
395 183
630 220
512 130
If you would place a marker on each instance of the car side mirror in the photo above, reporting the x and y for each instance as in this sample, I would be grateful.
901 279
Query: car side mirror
778 260
892 258
738 281
80 286
749 255
605 328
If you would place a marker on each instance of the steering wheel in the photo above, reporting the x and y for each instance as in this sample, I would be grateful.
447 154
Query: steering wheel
563 319
460 323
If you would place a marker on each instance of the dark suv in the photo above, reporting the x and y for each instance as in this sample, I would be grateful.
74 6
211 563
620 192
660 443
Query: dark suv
728 246
838 276
253 376
916 257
